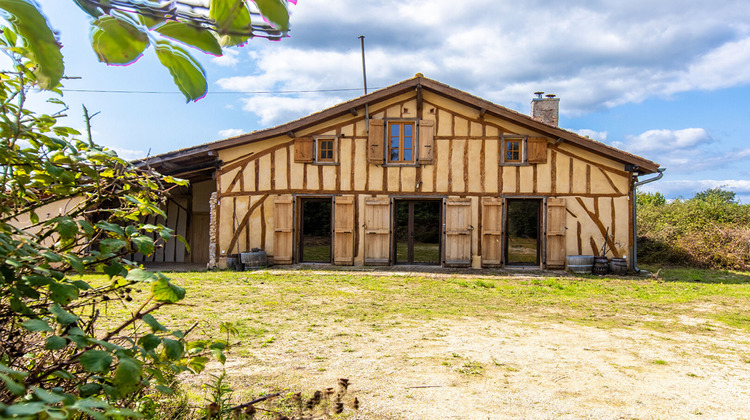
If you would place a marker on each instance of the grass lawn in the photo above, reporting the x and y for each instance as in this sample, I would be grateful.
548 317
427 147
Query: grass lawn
384 331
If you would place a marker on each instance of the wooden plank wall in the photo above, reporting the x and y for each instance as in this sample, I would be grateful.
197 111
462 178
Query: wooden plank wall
177 220
466 165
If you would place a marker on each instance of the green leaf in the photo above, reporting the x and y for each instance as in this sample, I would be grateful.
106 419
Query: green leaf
81 285
139 274
96 361
12 385
86 226
197 364
110 227
55 342
48 397
42 46
144 244
219 355
187 73
275 11
51 256
36 325
66 227
63 317
117 41
149 342
75 262
25 408
165 291
164 389
89 390
173 349
128 375
63 374
191 36
63 293
122 412
111 245
232 17
87 7
153 323
114 269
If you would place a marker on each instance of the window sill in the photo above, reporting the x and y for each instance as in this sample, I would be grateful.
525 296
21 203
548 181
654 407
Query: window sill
402 165
515 164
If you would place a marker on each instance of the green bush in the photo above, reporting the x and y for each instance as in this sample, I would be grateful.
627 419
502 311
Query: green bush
710 230
67 207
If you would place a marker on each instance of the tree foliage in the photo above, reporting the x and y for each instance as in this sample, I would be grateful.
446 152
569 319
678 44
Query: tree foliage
122 31
68 206
710 230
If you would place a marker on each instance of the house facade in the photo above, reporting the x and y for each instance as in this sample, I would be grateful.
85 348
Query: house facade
416 173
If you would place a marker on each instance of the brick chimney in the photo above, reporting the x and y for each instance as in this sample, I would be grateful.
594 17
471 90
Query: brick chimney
545 109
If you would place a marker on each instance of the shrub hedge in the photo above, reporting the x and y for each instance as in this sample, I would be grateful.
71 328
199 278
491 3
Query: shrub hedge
710 230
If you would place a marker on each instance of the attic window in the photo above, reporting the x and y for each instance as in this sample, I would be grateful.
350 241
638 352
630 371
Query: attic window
522 150
401 141
512 150
325 150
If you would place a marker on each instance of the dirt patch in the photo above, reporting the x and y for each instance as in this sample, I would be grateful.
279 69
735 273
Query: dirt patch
508 368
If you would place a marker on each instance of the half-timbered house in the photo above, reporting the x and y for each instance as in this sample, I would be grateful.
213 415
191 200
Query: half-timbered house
415 173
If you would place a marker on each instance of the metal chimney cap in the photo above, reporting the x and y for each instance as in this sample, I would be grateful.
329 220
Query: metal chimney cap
539 94
550 95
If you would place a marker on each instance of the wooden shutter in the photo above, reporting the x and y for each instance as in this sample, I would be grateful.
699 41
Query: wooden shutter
377 231
555 233
303 150
426 141
536 150
343 230
458 232
492 231
375 141
283 220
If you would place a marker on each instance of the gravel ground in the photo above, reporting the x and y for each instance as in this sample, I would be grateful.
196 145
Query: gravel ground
512 368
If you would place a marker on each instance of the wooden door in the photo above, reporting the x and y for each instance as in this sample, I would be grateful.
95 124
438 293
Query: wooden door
343 230
458 232
492 232
199 237
283 239
556 233
377 231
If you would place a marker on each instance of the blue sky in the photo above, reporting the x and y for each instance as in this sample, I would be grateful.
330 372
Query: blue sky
669 81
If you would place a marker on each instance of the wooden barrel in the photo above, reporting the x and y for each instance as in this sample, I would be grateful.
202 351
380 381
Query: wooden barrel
580 264
254 259
618 266
233 262
601 266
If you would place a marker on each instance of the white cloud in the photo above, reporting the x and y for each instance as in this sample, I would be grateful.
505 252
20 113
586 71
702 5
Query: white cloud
129 154
657 141
687 188
231 132
595 135
683 151
228 59
593 54
273 109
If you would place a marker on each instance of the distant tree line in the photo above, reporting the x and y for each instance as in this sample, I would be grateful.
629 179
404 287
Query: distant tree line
710 230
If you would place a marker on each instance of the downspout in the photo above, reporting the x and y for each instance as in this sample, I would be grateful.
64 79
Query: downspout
636 184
